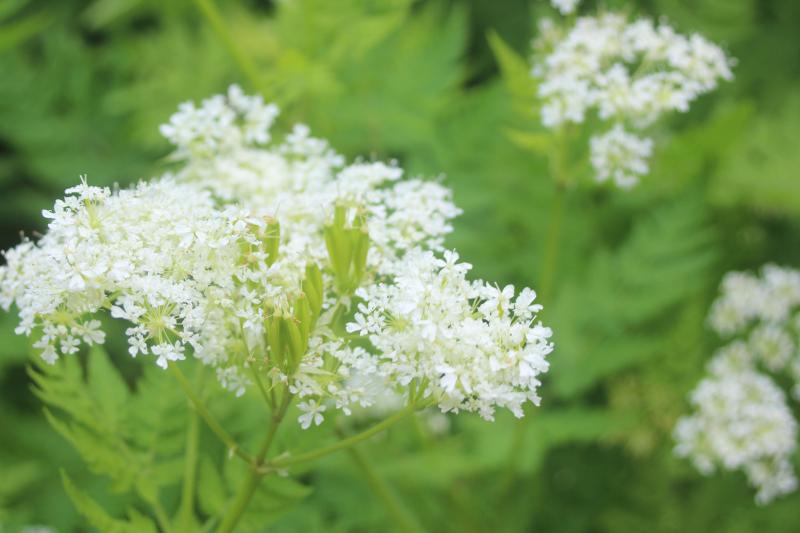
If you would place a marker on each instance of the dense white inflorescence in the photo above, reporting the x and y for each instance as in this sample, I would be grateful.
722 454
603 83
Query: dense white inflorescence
741 418
322 276
473 343
626 73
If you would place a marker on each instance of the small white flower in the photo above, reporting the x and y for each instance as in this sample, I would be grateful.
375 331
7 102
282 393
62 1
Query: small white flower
312 413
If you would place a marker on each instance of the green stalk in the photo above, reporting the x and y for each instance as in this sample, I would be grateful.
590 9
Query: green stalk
215 19
209 419
550 261
270 400
251 482
186 518
559 168
281 463
402 518
161 517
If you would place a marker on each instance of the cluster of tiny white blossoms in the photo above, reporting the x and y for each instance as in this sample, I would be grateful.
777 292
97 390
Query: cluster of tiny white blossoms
741 418
473 343
278 258
629 74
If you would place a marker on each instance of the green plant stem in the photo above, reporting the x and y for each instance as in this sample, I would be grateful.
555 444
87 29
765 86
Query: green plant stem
251 482
559 168
550 257
214 18
402 517
281 463
161 517
209 419
186 516
270 400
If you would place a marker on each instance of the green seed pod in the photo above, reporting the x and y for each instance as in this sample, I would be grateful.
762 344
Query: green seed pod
272 239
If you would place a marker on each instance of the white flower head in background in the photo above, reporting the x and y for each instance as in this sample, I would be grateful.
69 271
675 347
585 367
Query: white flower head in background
627 74
741 419
565 7
620 156
276 256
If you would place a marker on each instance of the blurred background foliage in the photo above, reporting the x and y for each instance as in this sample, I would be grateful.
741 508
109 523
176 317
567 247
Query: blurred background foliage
439 85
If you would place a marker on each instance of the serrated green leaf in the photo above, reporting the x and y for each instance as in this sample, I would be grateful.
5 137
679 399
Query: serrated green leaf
516 74
605 323
98 517
107 386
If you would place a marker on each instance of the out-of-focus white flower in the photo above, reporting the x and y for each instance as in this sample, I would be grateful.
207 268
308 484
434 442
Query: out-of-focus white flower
620 156
747 299
565 7
740 418
628 74
741 421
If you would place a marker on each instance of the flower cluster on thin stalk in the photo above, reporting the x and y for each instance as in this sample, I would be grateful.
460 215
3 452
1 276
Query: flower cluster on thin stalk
626 74
277 257
741 418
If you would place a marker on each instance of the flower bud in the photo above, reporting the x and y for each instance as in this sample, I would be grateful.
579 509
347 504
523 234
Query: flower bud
272 239
348 246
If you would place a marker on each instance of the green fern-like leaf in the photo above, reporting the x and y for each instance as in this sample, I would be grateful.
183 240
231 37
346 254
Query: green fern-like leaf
97 516
133 439
618 315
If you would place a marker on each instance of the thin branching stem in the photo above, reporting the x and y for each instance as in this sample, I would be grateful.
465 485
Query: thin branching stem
559 168
186 514
209 419
285 462
161 517
404 520
251 482
269 399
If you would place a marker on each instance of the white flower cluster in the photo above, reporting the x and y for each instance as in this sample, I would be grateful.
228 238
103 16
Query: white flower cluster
741 419
267 255
629 73
223 122
475 345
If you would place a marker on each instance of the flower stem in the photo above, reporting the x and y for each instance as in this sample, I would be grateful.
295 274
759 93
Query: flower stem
214 18
270 400
186 514
282 463
559 168
550 257
404 520
161 517
251 482
209 419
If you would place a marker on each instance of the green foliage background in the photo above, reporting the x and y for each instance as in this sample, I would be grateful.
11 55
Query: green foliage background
438 85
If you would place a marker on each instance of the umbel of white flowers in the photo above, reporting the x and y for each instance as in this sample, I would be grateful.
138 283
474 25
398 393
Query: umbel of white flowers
627 74
278 256
741 419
